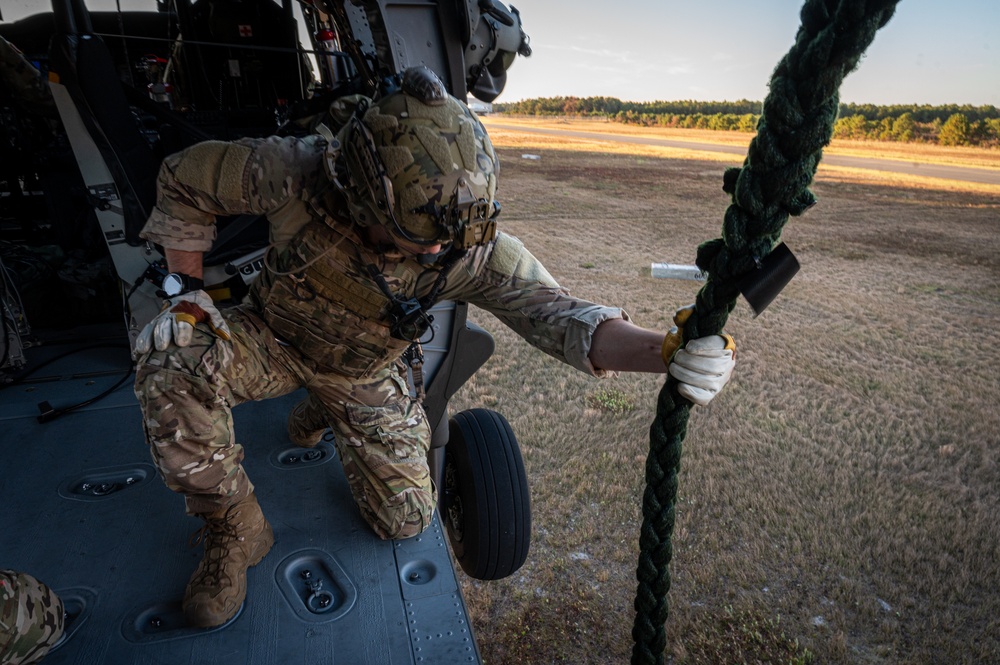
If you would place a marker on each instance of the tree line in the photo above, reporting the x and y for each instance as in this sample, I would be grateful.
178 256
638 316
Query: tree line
949 124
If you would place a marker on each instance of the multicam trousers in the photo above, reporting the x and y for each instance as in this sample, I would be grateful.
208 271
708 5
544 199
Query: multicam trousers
187 395
31 618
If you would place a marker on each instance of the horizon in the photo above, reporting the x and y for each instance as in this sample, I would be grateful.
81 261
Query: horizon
723 50
728 101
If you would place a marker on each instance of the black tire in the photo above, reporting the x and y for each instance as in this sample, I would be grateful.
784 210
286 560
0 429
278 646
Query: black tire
486 503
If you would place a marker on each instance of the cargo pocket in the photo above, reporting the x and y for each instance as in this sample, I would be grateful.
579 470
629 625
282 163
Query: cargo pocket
400 429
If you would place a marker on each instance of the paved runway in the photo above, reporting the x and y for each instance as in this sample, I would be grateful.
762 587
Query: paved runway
961 173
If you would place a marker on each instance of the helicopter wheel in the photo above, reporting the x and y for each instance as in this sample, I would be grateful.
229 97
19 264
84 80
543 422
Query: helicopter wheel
486 502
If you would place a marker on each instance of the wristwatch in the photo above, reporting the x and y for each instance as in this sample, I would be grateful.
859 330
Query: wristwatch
177 283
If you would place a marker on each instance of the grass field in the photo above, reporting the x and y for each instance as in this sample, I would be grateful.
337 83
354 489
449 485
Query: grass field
928 153
838 502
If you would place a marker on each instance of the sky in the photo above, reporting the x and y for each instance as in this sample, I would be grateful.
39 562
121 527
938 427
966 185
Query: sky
931 52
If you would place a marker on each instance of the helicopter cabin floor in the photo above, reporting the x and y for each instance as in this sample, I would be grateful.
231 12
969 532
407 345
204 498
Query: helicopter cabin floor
86 512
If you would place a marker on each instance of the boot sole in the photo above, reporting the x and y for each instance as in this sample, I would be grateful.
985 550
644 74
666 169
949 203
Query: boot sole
265 543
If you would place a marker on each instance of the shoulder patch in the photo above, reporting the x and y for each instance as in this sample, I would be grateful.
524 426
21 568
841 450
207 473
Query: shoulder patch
506 251
216 168
510 259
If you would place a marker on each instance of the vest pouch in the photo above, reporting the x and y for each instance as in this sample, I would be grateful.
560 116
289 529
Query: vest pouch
335 339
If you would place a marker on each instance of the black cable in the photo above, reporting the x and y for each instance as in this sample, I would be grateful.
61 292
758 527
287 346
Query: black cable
5 312
48 413
6 337
20 378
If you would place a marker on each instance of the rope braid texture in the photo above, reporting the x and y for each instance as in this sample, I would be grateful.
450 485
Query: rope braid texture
796 123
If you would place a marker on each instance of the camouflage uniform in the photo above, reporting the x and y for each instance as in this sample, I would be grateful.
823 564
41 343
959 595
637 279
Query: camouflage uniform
31 618
25 81
316 319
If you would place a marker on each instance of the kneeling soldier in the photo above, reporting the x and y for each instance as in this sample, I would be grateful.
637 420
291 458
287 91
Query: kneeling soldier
368 231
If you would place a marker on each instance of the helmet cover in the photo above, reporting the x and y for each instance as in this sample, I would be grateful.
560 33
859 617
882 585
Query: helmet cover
419 162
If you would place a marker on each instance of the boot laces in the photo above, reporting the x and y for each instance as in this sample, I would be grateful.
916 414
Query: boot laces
217 534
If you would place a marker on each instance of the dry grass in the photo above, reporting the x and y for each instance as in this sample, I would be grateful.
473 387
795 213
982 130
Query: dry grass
908 152
838 502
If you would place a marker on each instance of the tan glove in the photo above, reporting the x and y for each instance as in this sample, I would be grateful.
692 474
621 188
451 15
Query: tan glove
704 367
175 322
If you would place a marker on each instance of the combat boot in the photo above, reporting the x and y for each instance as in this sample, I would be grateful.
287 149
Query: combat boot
235 538
307 423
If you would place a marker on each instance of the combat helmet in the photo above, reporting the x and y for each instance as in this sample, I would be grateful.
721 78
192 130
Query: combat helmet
420 163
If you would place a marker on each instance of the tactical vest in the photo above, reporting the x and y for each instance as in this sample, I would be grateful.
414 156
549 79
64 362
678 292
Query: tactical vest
320 299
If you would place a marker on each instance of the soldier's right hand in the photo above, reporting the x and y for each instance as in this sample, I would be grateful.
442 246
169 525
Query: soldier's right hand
175 322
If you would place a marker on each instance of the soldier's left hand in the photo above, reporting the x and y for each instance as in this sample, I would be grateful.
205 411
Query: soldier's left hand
704 367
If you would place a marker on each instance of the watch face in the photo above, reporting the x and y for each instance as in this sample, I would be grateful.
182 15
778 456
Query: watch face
172 284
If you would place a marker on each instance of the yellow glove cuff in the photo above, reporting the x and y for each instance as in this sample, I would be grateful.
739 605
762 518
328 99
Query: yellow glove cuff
671 342
222 334
675 336
730 343
183 317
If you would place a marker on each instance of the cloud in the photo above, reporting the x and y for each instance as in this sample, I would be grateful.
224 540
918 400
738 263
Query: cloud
624 57
625 63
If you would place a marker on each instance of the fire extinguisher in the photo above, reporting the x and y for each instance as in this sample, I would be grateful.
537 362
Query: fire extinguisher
334 60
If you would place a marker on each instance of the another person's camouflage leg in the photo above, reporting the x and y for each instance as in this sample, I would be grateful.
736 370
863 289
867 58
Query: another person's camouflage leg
25 82
31 618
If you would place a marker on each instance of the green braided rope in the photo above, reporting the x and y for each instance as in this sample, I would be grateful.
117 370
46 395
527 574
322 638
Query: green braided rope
796 123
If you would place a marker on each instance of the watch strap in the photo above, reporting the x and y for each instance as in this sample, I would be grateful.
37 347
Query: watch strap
188 284
192 283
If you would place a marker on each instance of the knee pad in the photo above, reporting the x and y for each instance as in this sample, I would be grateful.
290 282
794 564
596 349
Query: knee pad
406 514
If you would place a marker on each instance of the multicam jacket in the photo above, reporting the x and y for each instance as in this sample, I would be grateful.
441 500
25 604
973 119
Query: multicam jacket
31 618
316 291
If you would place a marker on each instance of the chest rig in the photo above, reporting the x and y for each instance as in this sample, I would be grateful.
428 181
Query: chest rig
347 309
